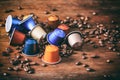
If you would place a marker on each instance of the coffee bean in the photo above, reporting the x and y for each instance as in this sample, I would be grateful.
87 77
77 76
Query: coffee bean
16 68
108 61
27 60
10 69
78 63
20 8
2 25
5 74
26 69
46 12
44 65
94 13
89 69
15 62
84 57
4 53
94 56
18 56
54 9
8 11
18 48
95 46
33 63
9 50
31 71
84 54
85 65
27 64
118 54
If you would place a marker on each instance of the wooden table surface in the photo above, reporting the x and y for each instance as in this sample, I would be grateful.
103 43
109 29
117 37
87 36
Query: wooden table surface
106 10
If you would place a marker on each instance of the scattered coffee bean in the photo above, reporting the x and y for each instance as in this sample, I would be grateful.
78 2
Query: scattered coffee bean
10 69
5 74
18 56
94 13
26 69
46 12
33 63
84 57
16 68
27 64
108 61
85 65
78 63
27 60
31 71
9 50
54 9
44 65
89 69
1 25
18 48
4 53
94 56
20 8
8 11
118 54
95 46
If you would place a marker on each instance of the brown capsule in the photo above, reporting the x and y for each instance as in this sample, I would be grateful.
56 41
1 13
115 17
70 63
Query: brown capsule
44 65
78 63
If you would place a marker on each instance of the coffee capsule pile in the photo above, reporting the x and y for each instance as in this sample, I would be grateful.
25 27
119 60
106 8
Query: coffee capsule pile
33 36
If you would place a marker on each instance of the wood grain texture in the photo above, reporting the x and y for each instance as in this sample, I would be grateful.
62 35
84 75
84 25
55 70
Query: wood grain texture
107 10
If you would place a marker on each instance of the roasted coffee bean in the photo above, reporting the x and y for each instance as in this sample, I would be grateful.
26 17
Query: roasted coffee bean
18 48
5 74
84 54
46 12
10 69
1 65
31 71
108 61
33 63
1 25
18 56
20 8
54 9
118 54
84 57
16 68
21 65
95 46
26 69
15 62
44 65
9 50
27 60
8 11
19 51
94 56
94 13
78 63
4 53
27 64
89 70
85 65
